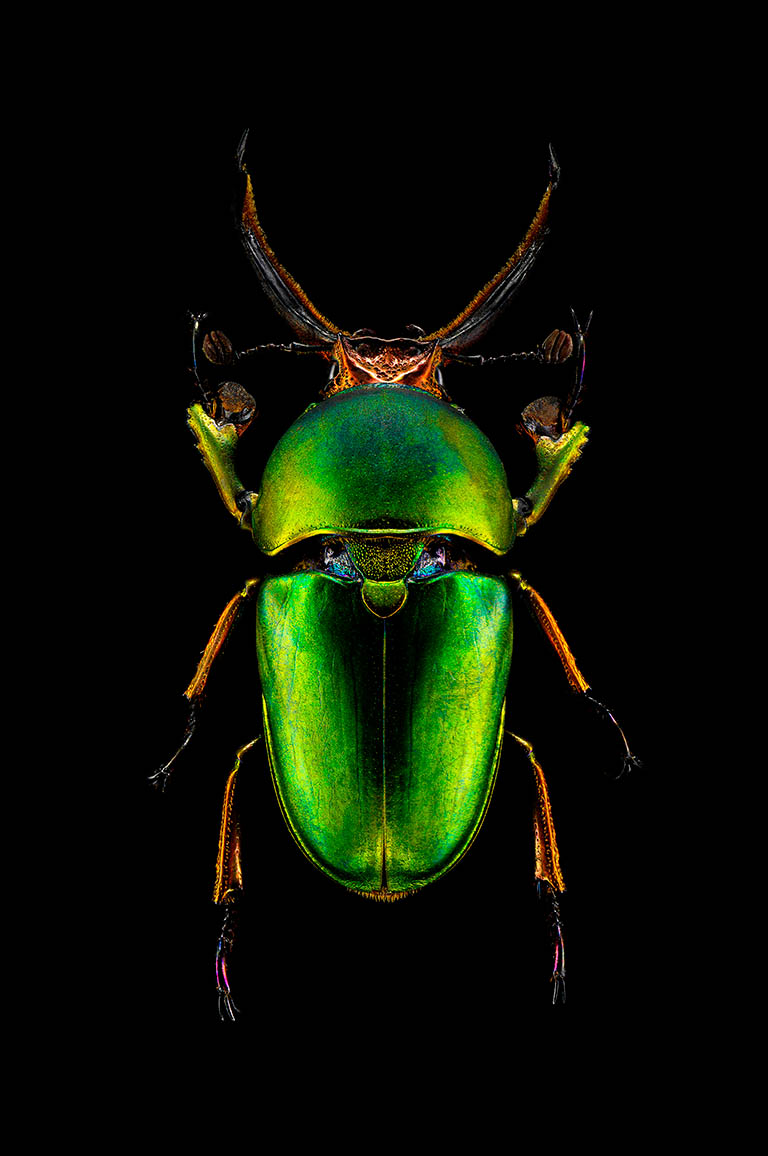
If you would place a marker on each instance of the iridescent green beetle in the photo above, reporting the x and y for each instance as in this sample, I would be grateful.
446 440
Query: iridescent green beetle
384 650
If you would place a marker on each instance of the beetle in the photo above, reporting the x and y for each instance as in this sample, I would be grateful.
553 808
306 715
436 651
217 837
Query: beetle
384 625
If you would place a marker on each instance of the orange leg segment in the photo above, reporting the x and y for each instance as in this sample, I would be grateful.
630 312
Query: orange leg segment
578 682
549 876
226 621
194 691
546 620
229 871
229 884
547 855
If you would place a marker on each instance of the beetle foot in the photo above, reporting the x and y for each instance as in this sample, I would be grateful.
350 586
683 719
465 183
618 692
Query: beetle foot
630 762
160 778
555 920
228 1009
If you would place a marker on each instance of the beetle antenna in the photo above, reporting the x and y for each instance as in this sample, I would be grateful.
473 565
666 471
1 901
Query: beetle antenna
556 348
581 360
282 346
195 319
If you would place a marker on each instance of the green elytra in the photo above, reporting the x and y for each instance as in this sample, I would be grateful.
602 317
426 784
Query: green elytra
384 726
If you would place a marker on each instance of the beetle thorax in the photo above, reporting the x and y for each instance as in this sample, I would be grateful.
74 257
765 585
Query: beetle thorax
368 360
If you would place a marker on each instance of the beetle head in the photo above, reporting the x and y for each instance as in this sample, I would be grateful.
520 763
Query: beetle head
363 359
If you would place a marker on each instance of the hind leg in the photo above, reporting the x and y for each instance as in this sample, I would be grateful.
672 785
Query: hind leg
549 877
229 884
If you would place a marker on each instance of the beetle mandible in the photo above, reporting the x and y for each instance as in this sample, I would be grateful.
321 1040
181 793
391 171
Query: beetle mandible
393 513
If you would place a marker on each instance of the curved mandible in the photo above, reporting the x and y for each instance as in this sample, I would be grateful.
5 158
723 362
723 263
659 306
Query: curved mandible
283 290
486 305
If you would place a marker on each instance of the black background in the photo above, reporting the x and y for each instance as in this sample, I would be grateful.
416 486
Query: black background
389 219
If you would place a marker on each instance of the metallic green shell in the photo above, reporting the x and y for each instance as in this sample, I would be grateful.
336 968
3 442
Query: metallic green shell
384 734
384 458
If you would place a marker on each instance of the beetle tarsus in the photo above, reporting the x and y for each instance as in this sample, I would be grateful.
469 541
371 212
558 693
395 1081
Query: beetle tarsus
630 762
228 1009
558 942
160 778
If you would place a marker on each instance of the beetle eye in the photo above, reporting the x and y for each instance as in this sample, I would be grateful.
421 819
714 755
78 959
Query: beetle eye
433 559
336 560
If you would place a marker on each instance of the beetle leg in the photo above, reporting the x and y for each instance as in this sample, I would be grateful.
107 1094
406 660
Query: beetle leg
194 691
573 396
556 932
555 455
549 877
217 427
547 855
229 873
229 885
546 620
630 762
160 778
228 1009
